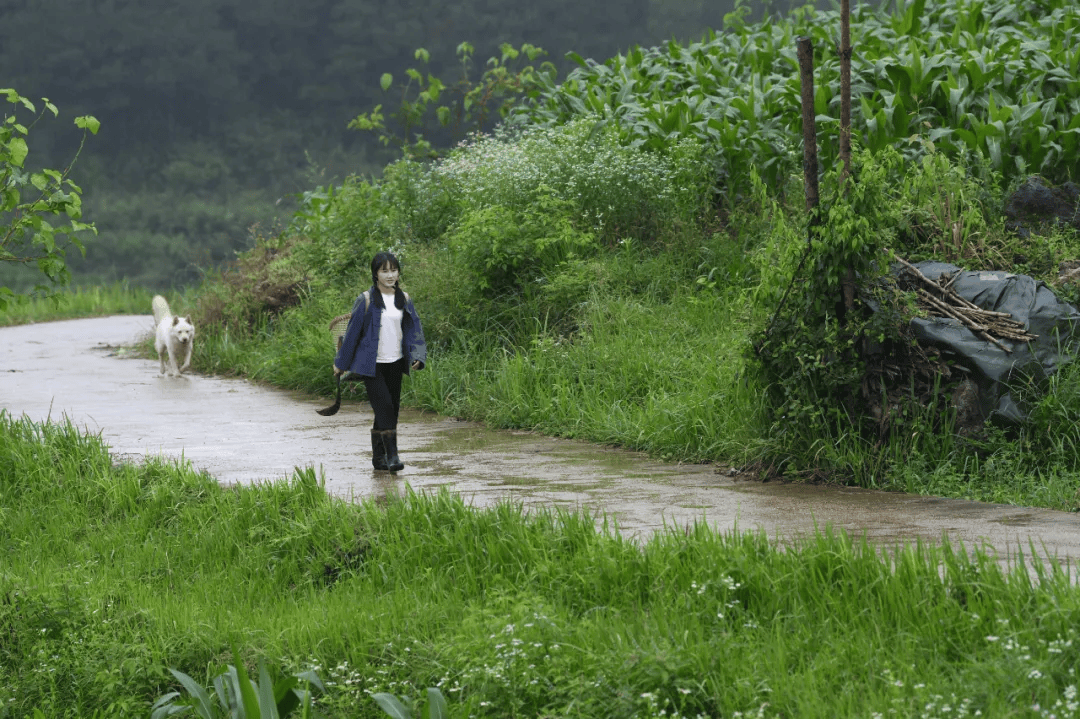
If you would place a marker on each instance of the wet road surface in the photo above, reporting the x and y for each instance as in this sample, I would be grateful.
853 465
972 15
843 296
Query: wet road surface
242 432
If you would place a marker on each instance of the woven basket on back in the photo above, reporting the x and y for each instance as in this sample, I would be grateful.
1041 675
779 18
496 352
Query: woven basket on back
338 325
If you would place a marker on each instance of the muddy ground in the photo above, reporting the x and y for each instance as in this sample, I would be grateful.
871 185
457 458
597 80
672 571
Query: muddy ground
241 432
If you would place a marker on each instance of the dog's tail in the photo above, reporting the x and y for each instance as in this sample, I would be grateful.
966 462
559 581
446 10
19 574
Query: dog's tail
161 309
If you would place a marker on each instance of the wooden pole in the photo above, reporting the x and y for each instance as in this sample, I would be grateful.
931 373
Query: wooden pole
845 88
806 79
848 283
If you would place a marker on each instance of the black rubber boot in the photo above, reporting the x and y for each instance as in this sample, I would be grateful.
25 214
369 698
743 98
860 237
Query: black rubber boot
393 462
378 451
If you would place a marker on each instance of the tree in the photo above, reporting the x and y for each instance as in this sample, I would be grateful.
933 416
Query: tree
30 199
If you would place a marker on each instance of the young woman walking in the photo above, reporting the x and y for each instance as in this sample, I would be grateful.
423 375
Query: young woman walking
383 341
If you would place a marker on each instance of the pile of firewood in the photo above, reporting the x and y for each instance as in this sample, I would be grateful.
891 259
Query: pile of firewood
938 299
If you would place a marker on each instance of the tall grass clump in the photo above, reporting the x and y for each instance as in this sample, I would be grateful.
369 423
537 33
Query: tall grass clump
604 384
1036 463
148 568
117 298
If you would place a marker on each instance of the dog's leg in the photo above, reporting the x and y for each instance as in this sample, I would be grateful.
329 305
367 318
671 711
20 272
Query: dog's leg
173 370
187 357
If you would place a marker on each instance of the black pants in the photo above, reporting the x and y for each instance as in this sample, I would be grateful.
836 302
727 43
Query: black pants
384 393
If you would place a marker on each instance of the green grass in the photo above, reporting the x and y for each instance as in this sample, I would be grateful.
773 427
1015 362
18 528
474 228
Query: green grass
118 298
146 567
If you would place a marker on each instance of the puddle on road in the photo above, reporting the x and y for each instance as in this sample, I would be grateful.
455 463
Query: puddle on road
240 432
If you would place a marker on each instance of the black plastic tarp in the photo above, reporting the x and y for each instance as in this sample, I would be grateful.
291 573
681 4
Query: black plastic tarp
1029 302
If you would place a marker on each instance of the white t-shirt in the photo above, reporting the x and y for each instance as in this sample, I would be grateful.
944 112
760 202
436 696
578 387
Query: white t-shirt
390 332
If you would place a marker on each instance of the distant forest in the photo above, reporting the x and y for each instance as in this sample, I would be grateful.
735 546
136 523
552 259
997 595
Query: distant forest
215 113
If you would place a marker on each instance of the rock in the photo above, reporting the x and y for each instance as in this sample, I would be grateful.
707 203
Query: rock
965 400
1068 271
1037 202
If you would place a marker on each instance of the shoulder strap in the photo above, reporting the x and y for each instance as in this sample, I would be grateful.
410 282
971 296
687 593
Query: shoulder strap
367 299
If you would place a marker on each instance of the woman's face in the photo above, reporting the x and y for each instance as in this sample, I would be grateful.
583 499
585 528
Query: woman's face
387 277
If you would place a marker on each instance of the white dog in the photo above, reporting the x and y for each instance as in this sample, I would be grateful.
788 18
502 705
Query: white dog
174 334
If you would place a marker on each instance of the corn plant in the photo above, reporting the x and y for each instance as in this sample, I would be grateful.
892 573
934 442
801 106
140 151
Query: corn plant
236 696
997 78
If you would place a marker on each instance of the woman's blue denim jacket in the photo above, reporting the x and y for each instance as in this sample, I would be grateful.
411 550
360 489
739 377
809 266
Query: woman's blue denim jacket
360 345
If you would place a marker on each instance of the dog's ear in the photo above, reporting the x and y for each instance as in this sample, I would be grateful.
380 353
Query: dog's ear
175 321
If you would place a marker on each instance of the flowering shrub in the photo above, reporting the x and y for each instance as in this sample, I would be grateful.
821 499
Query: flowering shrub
616 191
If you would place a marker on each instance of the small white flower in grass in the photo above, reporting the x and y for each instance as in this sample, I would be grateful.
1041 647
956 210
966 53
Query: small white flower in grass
991 638
1034 674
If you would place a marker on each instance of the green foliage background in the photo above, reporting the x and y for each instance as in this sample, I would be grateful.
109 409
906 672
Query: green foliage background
217 113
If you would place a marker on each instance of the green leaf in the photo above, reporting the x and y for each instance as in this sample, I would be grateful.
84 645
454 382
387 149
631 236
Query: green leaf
386 81
202 700
245 690
17 151
437 707
88 122
15 98
391 705
164 706
267 702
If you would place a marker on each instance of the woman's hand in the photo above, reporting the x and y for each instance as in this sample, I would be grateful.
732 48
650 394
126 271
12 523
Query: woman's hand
417 365
338 372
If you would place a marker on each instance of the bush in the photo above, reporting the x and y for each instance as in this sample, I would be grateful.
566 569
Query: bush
262 283
616 191
510 250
